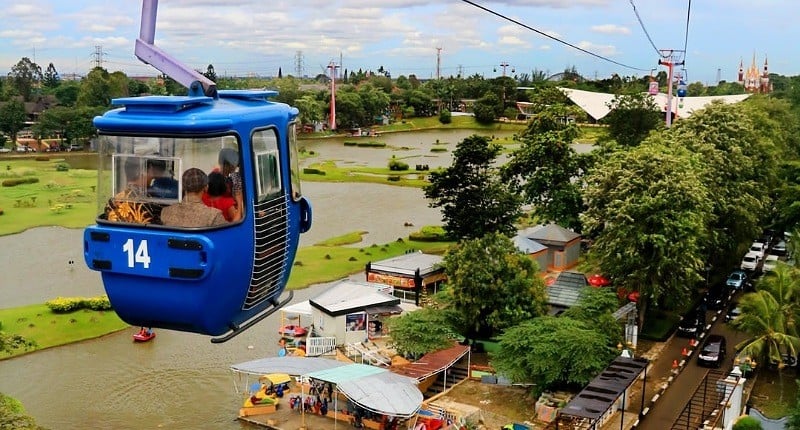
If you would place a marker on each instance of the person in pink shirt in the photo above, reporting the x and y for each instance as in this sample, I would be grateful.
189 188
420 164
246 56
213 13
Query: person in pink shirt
215 196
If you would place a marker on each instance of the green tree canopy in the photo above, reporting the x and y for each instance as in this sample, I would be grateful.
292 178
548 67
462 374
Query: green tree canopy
12 118
553 353
647 210
419 332
545 169
492 285
25 75
51 79
473 199
95 89
631 119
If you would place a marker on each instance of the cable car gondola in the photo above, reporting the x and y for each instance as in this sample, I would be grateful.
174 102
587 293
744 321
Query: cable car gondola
215 281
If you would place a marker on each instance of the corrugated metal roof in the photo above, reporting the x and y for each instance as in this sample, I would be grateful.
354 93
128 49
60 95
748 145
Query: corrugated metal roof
595 399
432 363
407 264
566 290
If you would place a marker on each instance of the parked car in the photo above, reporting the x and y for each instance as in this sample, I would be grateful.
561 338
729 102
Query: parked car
692 323
737 279
758 248
716 298
733 312
25 149
74 147
779 248
770 261
713 351
750 261
2 150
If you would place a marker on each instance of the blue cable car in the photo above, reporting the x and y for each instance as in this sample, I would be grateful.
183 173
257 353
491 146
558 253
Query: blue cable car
217 280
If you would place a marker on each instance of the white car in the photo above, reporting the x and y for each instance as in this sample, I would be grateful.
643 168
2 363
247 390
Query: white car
770 261
758 248
750 261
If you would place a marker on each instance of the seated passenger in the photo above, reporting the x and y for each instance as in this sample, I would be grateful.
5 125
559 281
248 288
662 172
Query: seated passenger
191 211
216 197
159 183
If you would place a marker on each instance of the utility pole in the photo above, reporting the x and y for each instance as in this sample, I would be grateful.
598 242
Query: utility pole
670 58
504 65
438 63
333 66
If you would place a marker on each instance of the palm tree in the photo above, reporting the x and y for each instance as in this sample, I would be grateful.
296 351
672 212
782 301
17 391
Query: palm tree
768 316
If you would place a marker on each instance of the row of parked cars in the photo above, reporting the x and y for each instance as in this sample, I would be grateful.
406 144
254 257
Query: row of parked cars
764 254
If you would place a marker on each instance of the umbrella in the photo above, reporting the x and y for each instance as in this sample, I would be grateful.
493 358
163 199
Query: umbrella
598 280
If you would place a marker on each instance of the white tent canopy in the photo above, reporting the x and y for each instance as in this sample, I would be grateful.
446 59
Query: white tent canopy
596 104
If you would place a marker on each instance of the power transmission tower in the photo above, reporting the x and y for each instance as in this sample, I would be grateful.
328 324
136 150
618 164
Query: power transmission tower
438 63
460 70
298 64
98 56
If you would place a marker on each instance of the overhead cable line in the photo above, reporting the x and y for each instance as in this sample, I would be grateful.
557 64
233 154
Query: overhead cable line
552 37
686 38
641 23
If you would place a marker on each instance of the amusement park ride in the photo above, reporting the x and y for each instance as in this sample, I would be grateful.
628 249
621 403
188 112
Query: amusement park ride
216 281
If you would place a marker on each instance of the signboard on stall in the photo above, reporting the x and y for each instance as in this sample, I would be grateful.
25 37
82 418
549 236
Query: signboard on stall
653 88
395 281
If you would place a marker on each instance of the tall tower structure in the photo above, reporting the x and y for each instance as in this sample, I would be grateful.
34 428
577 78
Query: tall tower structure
333 66
438 63
98 56
298 64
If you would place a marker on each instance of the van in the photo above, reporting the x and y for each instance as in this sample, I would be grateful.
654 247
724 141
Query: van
750 261
712 353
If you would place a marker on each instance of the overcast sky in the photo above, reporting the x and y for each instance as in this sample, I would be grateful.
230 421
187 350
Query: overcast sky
241 37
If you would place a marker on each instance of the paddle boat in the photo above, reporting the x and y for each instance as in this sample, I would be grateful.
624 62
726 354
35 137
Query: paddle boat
144 335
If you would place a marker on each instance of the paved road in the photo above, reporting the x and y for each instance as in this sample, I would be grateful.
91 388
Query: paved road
669 406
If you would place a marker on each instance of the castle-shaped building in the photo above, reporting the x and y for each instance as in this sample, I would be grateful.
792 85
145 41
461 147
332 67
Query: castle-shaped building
752 81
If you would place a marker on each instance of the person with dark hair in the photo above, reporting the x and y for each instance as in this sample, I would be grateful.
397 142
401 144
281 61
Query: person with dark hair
215 196
134 182
191 211
159 183
229 167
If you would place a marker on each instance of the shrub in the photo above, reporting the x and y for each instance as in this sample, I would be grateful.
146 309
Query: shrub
445 117
350 143
313 171
19 181
397 165
747 423
62 167
429 234
64 305
438 149
371 144
394 178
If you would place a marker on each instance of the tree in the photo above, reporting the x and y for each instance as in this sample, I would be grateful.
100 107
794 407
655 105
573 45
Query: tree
596 307
552 352
546 170
24 77
67 93
12 415
631 119
417 333
11 342
473 199
647 211
723 136
95 89
492 285
749 423
12 118
311 109
486 108
764 318
51 78
445 117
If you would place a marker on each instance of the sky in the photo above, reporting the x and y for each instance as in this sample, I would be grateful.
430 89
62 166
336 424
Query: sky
258 37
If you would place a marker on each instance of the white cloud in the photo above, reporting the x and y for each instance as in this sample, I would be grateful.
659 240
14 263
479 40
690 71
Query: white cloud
610 29
604 50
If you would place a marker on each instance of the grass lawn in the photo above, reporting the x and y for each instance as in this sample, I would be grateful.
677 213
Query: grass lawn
373 175
775 394
48 329
329 261
65 198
